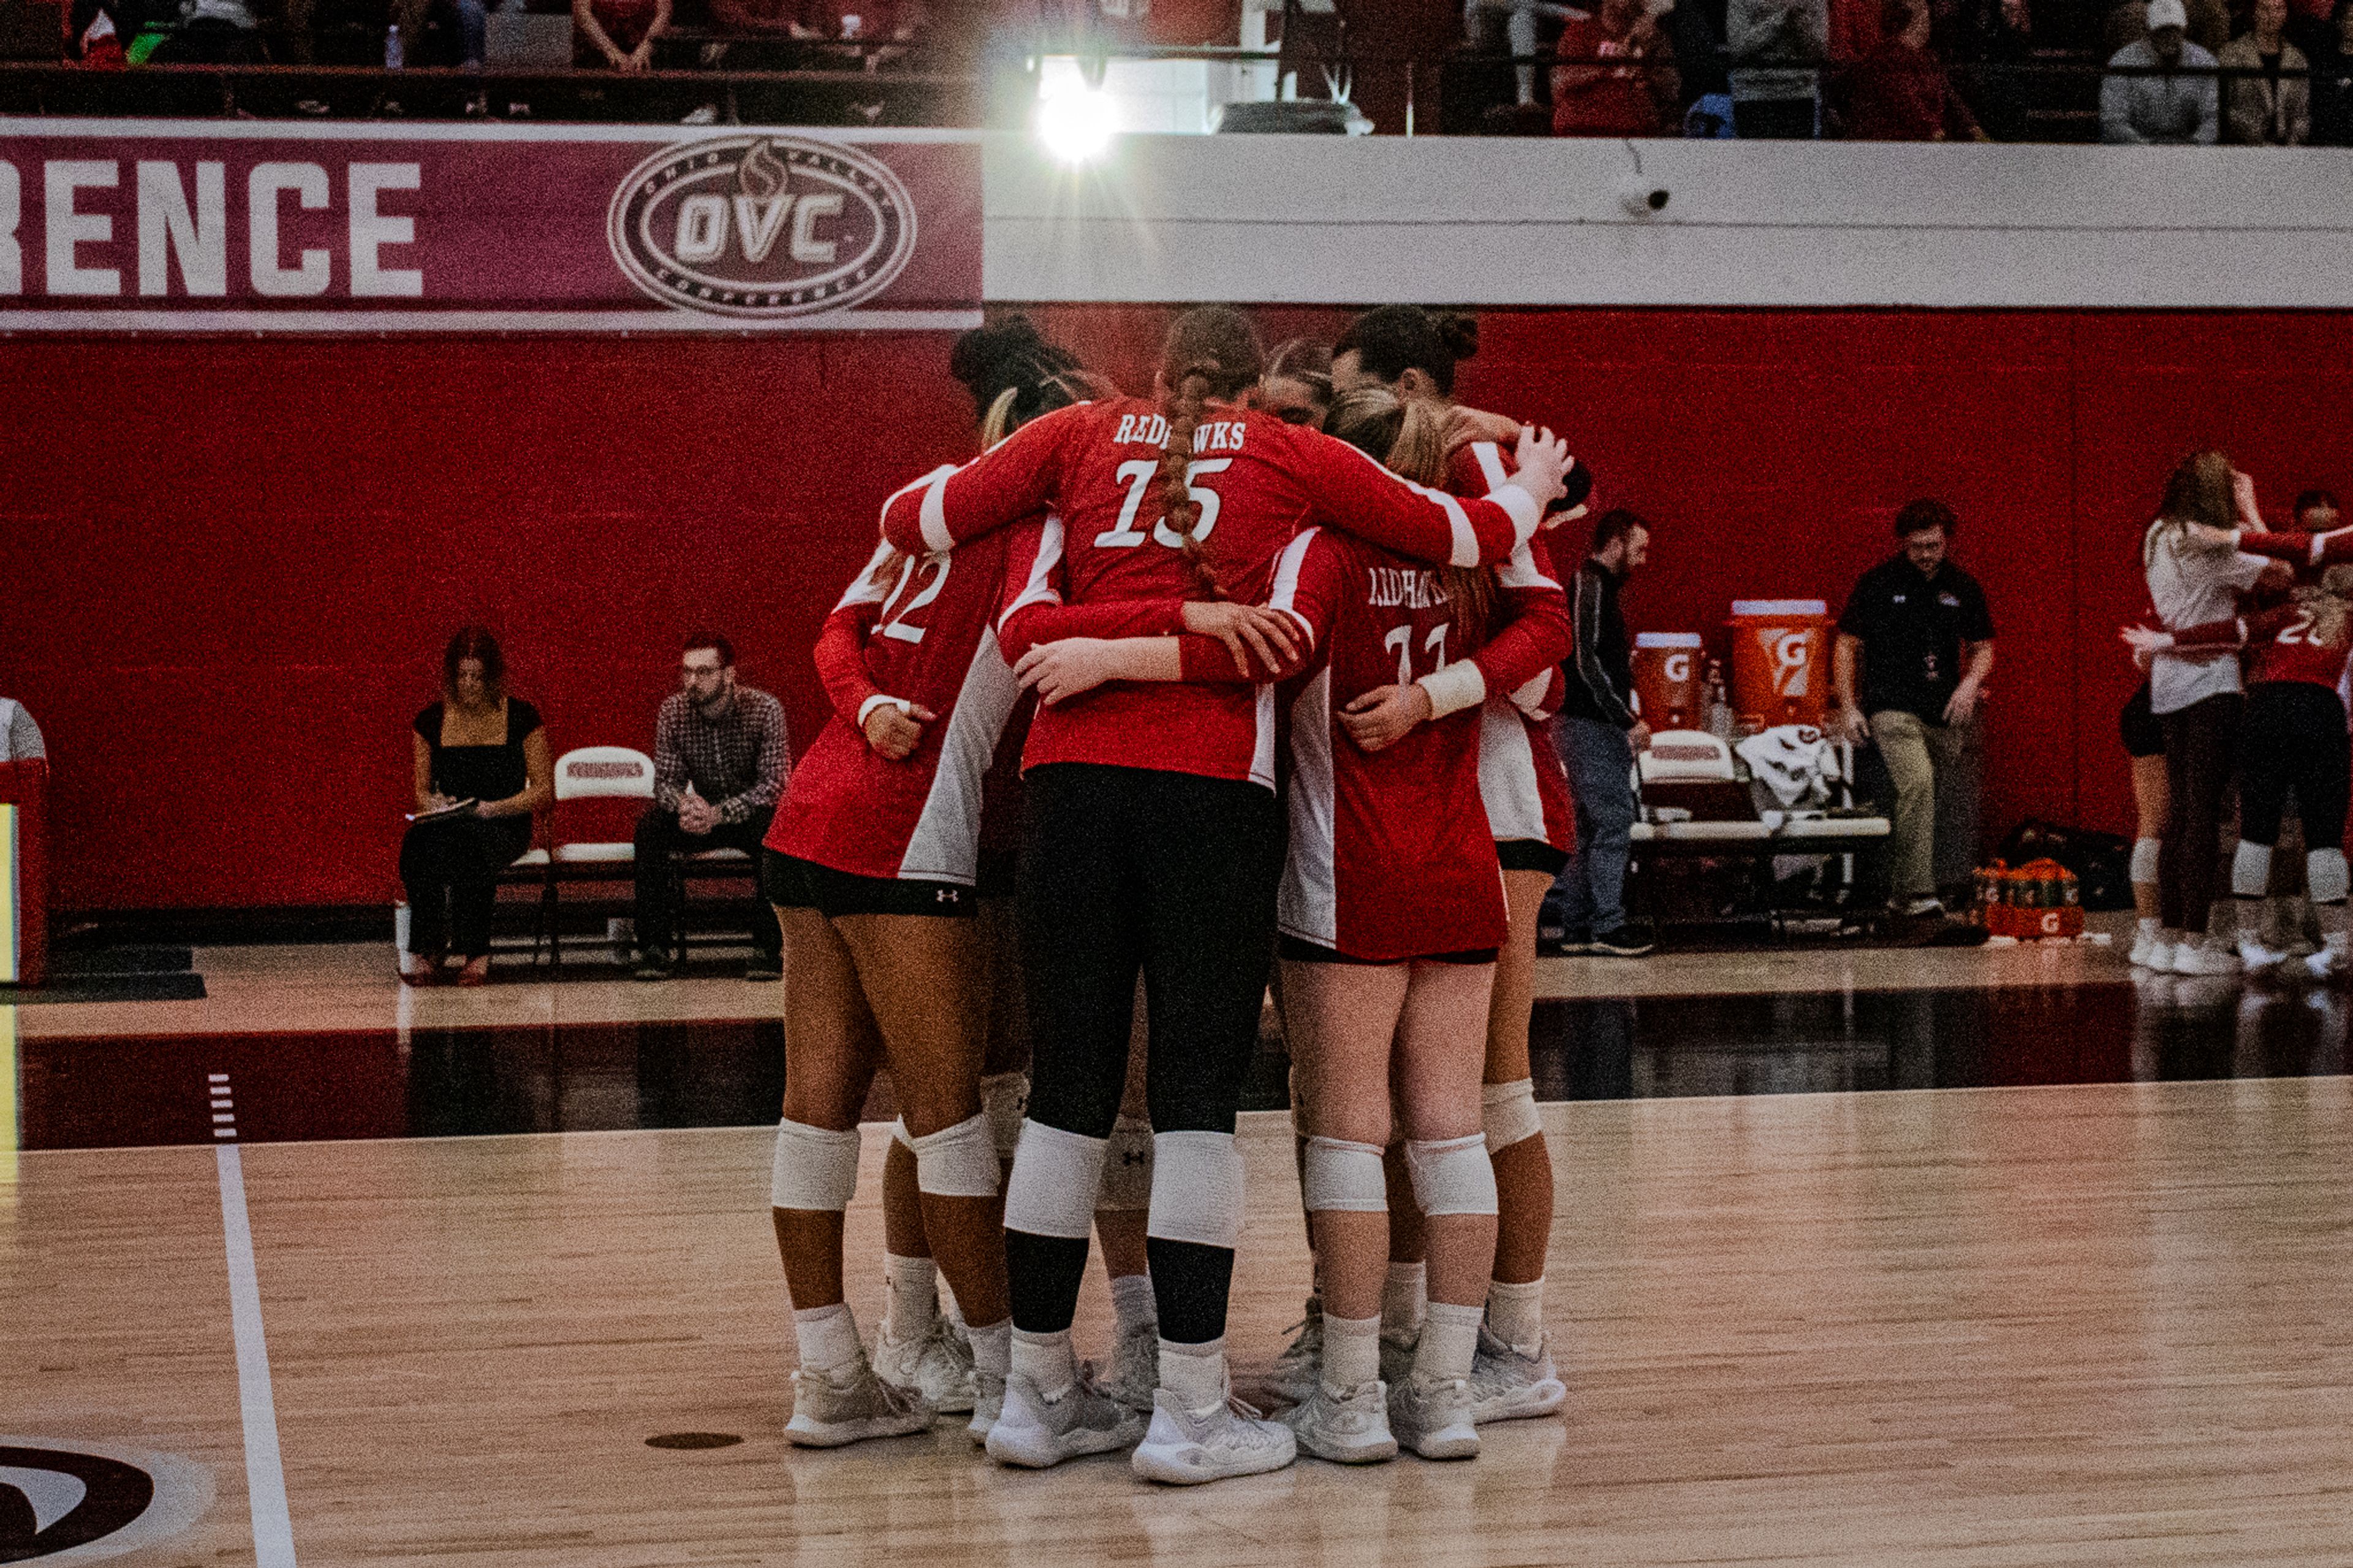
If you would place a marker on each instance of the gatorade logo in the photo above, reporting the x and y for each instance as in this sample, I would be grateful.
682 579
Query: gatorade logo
1679 668
1786 651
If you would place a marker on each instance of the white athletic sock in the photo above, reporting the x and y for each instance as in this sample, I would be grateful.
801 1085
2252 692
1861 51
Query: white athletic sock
1131 1298
911 1296
1044 1359
1403 1297
1515 1312
828 1337
1352 1352
992 1347
1195 1375
1448 1342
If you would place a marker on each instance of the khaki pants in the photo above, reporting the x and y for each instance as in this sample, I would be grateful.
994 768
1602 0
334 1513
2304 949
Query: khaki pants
1934 767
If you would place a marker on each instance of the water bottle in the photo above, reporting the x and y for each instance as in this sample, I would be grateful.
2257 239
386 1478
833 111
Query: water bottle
393 58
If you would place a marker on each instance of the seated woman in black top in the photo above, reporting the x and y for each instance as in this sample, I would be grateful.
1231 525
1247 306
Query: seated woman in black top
477 744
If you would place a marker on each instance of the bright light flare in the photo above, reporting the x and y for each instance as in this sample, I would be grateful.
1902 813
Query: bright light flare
1076 122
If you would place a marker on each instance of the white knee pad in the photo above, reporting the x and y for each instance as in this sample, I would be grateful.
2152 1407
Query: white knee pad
1005 1096
2145 854
958 1162
1197 1189
2250 870
1509 1113
1344 1176
901 1136
814 1168
1055 1174
1452 1175
2325 877
1127 1167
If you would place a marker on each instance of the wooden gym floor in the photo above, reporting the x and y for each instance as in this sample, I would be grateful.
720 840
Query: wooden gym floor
2099 1322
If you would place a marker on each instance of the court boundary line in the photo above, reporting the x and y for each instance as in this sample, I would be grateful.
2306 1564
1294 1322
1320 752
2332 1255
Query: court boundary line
265 1472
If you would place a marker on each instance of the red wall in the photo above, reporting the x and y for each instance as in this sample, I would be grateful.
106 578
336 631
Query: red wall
230 563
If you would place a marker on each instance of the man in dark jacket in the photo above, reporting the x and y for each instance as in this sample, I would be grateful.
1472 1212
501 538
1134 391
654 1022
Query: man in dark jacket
1598 734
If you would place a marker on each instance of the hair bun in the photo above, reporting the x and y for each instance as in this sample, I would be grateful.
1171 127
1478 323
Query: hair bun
993 356
1459 330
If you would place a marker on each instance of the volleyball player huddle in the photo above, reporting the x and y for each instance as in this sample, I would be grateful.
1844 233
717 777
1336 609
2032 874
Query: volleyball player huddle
1289 694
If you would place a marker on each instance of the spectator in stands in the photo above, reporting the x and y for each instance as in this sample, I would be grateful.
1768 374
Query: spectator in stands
622 32
1988 44
477 745
2209 23
2168 107
1637 97
1919 627
1598 736
1899 92
720 758
1777 50
2271 102
20 738
1696 29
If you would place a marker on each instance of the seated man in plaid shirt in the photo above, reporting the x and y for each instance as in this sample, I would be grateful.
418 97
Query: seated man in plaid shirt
720 761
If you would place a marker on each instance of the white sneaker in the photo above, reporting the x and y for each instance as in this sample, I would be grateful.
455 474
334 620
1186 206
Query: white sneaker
2257 958
936 1367
1350 1428
2158 957
988 1405
2325 965
1434 1419
1185 1448
1508 1386
1135 1369
2203 958
850 1406
2145 944
1299 1370
1035 1432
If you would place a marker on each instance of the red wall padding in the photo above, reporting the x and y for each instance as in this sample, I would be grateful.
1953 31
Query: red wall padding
230 563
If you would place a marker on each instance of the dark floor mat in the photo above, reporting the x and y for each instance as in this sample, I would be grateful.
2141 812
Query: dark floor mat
107 988
123 960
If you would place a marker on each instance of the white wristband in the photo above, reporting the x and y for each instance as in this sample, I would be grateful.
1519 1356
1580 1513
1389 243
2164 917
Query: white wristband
865 709
1453 689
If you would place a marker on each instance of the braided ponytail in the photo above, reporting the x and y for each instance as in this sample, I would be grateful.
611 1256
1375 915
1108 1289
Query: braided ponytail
1211 353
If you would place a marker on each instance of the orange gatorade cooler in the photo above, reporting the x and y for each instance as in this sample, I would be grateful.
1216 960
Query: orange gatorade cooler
1667 678
1781 661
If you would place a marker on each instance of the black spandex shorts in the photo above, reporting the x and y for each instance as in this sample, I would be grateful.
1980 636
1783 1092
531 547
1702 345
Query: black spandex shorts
993 878
1298 950
791 883
1530 855
2144 736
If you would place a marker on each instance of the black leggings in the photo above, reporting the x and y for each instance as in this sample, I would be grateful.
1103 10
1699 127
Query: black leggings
2295 739
2201 745
1127 870
450 868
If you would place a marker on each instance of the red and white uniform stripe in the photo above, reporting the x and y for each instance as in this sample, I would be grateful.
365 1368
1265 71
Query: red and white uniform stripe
1390 857
2281 647
919 629
1520 774
1259 481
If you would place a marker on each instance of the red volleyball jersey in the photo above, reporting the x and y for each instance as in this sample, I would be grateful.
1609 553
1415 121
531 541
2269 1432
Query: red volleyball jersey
2333 548
2281 646
1520 774
920 629
1390 855
1257 482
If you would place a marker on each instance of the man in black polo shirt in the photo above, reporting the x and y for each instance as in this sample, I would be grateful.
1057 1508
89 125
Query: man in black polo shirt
1919 625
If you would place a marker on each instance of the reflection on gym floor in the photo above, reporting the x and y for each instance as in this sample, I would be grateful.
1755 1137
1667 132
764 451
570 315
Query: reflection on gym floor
607 1075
